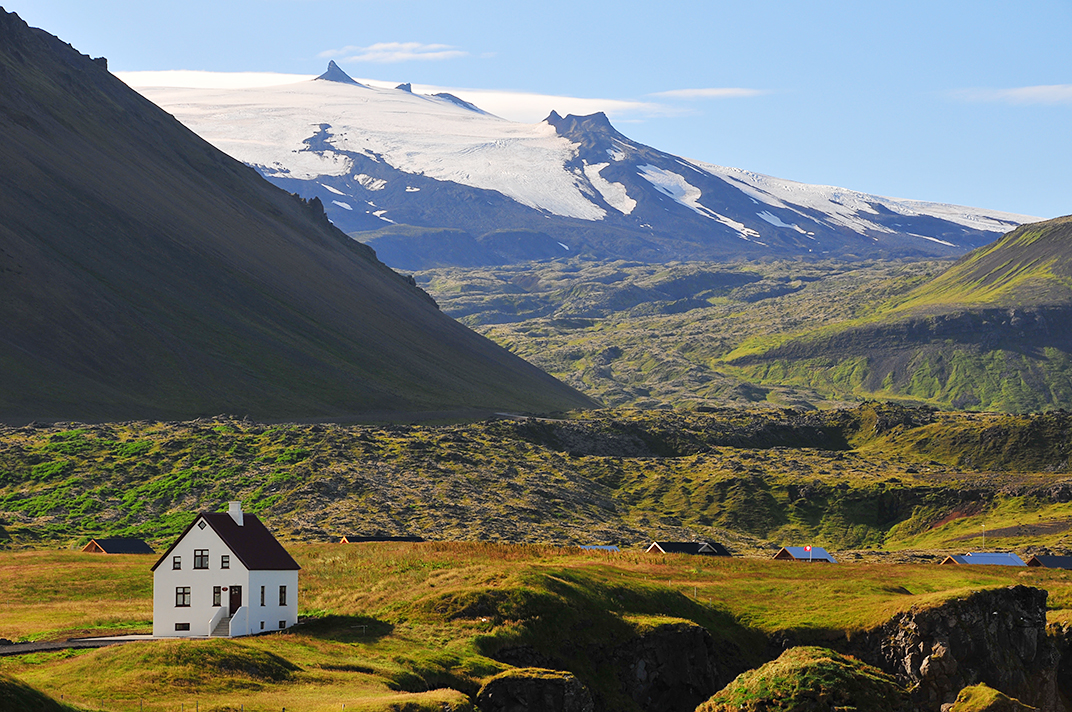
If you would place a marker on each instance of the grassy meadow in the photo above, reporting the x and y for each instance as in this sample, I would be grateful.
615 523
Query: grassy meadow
416 626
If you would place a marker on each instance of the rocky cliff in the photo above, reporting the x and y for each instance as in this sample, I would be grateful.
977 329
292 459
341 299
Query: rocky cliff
997 637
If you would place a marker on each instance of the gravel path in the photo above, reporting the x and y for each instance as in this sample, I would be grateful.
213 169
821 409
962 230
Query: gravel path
71 644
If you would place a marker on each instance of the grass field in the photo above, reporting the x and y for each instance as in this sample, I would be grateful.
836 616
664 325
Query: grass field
414 626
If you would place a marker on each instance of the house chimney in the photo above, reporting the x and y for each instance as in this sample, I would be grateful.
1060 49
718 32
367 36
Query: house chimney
235 510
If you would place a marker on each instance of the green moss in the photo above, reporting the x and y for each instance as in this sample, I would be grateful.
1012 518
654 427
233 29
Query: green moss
807 679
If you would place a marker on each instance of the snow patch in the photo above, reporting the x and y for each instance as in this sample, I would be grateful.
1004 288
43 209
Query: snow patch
411 189
778 222
615 154
564 246
851 209
614 193
370 183
344 206
671 184
333 190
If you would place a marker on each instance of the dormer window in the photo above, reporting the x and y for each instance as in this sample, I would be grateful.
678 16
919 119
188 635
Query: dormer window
176 562
200 558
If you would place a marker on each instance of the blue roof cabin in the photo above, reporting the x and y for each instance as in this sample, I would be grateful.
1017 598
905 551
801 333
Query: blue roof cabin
810 554
1048 561
985 559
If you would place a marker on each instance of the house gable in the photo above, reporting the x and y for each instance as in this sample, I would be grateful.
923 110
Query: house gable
251 543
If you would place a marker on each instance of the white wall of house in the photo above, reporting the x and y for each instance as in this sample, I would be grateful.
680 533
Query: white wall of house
166 579
268 616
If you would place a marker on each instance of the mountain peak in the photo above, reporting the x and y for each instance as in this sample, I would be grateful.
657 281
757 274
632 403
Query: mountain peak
335 74
405 87
579 127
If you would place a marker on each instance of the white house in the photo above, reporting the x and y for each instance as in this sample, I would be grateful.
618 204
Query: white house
226 575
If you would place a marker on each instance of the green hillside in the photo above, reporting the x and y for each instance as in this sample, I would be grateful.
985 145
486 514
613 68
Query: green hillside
145 274
993 332
875 477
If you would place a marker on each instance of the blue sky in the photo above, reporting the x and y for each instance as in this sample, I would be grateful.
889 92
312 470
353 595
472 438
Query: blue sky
959 102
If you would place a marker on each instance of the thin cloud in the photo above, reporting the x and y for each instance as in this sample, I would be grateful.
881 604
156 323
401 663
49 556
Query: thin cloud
531 107
1043 94
514 105
209 80
392 52
709 93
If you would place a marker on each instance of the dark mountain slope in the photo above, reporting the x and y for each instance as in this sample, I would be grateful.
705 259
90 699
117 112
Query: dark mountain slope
994 331
143 273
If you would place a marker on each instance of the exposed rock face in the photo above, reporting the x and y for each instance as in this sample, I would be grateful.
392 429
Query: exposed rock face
997 637
534 690
668 668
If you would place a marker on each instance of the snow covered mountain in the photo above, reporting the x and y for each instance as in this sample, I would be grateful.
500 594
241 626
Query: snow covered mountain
432 179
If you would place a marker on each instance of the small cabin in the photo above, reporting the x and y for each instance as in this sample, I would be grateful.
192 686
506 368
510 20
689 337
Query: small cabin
1048 561
808 554
117 546
983 558
225 576
696 548
347 539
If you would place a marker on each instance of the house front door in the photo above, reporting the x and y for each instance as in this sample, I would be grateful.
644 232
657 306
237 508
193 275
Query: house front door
236 599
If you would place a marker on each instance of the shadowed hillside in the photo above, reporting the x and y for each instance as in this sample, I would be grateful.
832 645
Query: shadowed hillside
146 274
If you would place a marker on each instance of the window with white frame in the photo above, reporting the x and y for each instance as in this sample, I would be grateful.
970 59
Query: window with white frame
200 558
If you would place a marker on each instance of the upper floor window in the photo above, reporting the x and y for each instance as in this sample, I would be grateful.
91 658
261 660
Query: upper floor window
182 596
225 562
200 558
282 595
176 562
262 595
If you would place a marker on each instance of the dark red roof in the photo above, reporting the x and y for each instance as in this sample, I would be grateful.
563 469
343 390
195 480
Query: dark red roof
252 543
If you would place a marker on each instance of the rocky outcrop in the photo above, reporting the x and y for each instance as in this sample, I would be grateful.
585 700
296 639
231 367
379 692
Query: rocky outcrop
667 667
997 637
810 679
534 690
670 667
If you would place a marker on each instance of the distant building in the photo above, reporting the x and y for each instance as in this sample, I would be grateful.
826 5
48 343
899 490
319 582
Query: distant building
599 547
347 539
1050 562
701 548
117 546
985 559
812 554
226 575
